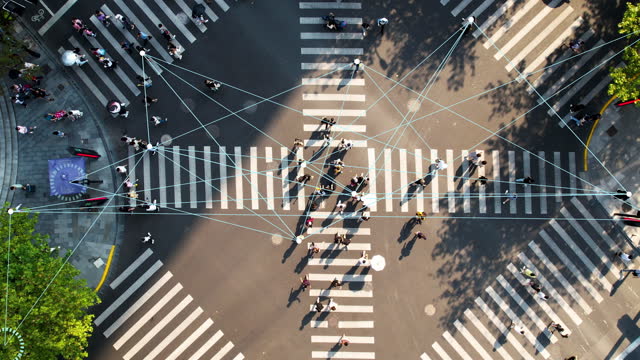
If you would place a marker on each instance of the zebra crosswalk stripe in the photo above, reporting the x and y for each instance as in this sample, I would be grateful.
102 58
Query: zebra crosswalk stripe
440 351
419 174
526 161
177 188
132 171
513 20
496 184
174 334
330 5
162 173
316 20
487 335
114 43
130 269
566 262
504 330
514 318
268 154
147 316
482 199
207 345
146 167
451 200
435 201
253 159
239 181
556 273
193 195
222 161
388 186
461 6
512 179
187 11
587 215
557 175
371 156
174 19
336 339
456 346
595 272
466 174
404 207
188 341
467 335
543 182
117 70
156 45
207 178
224 351
157 328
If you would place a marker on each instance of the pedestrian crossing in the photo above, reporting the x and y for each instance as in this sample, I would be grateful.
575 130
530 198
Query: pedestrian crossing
529 36
353 297
183 329
572 245
236 178
120 84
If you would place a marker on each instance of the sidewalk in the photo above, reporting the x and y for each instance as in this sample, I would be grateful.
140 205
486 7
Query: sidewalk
615 142
68 225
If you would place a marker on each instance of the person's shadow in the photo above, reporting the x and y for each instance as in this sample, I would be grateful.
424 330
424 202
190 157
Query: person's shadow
407 247
294 295
406 229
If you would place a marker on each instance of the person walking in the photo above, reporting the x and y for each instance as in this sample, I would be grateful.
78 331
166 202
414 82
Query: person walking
148 100
77 24
26 130
344 341
144 37
333 306
309 222
634 272
157 120
474 157
313 249
364 258
166 34
365 216
518 327
152 206
553 326
576 107
175 50
526 181
542 296
356 63
535 286
121 169
305 282
126 23
144 81
297 142
420 216
318 305
58 133
88 32
148 239
626 258
340 207
365 27
482 180
126 46
510 196
382 22
336 283
421 235
440 165
528 273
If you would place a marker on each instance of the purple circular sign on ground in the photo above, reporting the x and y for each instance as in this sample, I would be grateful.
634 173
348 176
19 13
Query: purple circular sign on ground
62 172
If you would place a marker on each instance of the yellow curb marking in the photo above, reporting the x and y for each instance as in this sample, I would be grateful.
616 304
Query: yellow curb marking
593 129
106 268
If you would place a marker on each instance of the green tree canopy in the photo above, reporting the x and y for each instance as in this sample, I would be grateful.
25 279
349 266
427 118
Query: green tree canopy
625 82
58 324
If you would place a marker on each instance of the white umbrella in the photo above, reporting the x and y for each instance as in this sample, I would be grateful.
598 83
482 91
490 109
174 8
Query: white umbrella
378 262
369 200
69 58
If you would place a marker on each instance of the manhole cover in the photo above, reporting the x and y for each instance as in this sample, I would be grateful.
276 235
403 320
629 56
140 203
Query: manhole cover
190 105
430 310
276 239
166 140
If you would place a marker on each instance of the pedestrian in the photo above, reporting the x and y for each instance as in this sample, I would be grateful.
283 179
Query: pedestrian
345 144
517 327
313 249
622 195
59 133
634 272
482 180
19 99
304 178
356 63
467 23
142 50
26 130
420 235
576 46
365 216
528 273
125 22
165 33
107 63
297 142
148 238
542 296
382 22
340 207
126 46
333 306
148 100
152 206
157 120
98 52
74 114
175 50
305 283
318 305
591 118
344 341
77 24
535 286
132 194
104 18
130 184
88 32
212 85
144 81
626 258
129 209
474 157
576 107
144 37
309 222
365 27
440 165
336 283
556 326
364 258
344 240
526 180
121 169
17 187
510 196
420 216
